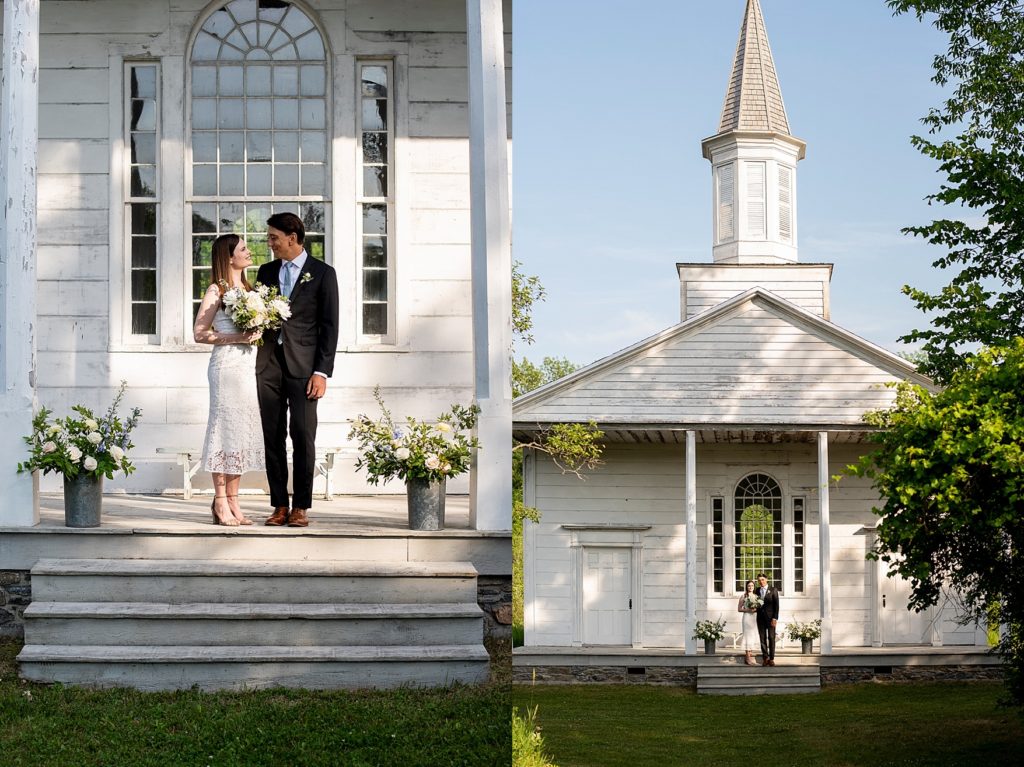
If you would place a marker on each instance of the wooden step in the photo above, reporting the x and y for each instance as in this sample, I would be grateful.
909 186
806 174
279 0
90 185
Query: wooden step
175 667
254 623
309 582
740 679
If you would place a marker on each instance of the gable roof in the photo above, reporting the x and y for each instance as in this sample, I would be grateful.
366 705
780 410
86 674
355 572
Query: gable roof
753 100
755 360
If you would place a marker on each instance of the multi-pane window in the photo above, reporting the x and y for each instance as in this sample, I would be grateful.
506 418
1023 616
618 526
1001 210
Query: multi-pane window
798 545
142 131
758 530
259 128
376 183
717 547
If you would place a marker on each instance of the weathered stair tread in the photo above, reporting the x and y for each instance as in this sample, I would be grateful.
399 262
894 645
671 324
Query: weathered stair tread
760 690
227 567
248 610
189 654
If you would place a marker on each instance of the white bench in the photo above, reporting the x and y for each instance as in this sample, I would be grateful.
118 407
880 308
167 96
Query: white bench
324 465
736 637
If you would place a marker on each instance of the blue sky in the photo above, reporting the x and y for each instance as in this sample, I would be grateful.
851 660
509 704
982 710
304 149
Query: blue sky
611 101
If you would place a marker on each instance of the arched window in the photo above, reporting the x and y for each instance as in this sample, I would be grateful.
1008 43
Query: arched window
258 129
758 514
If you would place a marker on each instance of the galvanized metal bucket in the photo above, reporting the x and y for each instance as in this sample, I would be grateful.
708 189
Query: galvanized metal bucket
426 504
83 499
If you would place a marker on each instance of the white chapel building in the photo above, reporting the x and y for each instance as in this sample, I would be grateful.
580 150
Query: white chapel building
722 436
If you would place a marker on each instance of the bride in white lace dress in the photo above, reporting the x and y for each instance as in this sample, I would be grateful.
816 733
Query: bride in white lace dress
234 435
751 639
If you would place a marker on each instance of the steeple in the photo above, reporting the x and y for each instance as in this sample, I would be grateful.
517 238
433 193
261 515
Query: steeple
753 158
753 101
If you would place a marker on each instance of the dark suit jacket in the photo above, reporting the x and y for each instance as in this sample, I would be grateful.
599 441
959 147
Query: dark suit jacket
769 611
311 333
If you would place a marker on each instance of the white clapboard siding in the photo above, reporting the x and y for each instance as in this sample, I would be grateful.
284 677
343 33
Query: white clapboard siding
72 156
446 84
752 360
704 286
446 49
440 298
439 191
72 262
74 86
59 192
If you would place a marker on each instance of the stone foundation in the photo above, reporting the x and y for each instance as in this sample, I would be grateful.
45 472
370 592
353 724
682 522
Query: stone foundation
680 676
836 675
494 595
15 595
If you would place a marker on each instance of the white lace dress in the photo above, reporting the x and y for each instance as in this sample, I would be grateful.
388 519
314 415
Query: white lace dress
751 638
234 435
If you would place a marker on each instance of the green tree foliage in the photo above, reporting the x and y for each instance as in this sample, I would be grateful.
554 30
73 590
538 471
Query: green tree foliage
983 71
951 468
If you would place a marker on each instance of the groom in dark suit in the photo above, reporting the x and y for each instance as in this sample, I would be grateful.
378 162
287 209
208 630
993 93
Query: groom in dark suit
293 365
767 617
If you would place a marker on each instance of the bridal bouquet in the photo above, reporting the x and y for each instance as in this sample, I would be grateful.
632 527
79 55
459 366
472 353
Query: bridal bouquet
261 308
752 602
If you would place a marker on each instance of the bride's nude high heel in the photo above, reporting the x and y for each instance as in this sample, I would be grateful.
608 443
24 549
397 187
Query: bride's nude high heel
243 520
232 522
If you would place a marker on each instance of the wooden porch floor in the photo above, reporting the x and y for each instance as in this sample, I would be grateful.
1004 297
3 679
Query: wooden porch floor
173 514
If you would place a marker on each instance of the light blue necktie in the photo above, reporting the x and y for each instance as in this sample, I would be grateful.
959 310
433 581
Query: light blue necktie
287 282
286 291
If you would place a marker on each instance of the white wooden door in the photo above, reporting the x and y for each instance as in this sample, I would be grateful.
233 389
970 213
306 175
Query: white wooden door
900 625
607 587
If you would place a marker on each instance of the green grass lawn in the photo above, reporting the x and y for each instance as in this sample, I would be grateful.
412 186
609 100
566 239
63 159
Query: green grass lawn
57 726
868 724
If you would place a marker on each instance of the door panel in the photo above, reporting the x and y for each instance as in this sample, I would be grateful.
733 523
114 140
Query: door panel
607 586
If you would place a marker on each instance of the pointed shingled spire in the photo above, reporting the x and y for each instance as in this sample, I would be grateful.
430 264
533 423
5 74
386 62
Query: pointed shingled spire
754 99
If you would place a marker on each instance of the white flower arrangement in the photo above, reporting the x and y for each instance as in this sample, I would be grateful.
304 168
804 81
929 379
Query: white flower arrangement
710 631
810 630
259 309
80 443
416 450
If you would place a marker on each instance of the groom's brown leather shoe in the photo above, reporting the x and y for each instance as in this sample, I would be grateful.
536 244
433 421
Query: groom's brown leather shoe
298 518
764 662
279 517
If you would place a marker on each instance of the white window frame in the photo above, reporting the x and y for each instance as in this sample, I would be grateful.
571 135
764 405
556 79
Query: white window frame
121 291
390 338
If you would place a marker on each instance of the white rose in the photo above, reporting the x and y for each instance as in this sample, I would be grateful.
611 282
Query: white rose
95 437
74 453
446 468
432 461
89 464
55 429
282 308
402 454
443 427
91 425
116 452
49 447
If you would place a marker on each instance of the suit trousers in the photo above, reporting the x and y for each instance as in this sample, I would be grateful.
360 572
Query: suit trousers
285 410
766 631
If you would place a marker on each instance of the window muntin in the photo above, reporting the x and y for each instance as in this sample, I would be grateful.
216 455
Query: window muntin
142 200
799 531
259 129
758 530
717 545
376 182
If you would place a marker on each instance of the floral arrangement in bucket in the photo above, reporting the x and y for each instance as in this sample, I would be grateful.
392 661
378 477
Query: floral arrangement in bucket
710 631
416 450
82 444
422 454
809 630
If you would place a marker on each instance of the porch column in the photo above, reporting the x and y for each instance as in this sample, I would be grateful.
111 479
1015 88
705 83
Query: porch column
824 546
491 478
19 123
691 541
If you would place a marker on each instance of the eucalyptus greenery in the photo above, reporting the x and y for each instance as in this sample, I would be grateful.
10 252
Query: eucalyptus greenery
415 449
82 443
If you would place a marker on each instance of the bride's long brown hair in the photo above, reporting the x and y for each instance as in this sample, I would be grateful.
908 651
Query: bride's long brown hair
223 247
